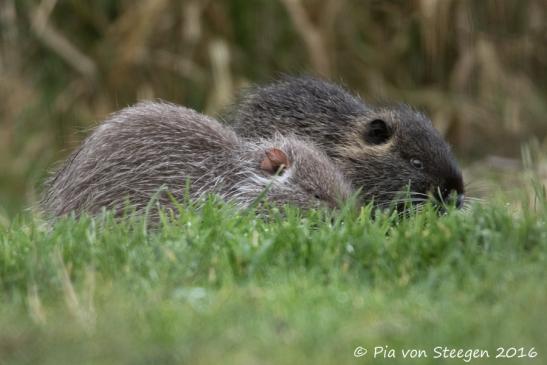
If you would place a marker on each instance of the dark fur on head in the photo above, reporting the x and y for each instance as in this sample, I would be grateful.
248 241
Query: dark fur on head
383 150
136 151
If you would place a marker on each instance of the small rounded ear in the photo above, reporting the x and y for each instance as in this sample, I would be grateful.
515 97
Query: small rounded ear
275 161
377 132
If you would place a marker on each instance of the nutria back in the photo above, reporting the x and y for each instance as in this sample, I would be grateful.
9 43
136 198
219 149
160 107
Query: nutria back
382 150
151 146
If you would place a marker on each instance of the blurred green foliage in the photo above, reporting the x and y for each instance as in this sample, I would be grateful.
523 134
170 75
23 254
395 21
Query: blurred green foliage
218 286
477 67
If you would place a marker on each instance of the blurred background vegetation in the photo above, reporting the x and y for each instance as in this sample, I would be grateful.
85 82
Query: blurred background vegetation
477 67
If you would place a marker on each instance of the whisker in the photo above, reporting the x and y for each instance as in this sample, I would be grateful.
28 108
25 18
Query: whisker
475 199
412 210
478 187
402 192
399 201
465 210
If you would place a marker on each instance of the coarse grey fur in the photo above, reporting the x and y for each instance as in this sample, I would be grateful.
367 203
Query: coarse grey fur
139 149
382 150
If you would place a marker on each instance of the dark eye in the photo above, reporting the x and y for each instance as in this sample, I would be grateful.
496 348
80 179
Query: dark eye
417 163
317 196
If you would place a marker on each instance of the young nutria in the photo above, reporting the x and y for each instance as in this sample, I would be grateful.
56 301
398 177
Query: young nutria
382 150
139 149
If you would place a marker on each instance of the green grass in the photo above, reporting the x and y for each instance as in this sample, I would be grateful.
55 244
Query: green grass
218 287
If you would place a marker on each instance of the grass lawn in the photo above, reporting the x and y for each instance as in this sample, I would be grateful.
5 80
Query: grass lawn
218 287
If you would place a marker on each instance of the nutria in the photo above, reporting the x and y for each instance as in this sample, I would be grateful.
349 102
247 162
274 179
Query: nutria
139 149
382 150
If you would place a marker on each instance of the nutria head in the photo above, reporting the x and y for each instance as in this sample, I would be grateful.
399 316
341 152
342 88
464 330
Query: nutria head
395 153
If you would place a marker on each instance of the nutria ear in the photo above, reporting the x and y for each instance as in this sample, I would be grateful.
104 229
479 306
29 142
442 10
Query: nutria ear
377 132
275 161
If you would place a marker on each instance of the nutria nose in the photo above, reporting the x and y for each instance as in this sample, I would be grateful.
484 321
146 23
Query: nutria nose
458 201
452 192
450 197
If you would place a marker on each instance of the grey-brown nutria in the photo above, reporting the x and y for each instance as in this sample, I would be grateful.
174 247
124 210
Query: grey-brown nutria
141 148
382 150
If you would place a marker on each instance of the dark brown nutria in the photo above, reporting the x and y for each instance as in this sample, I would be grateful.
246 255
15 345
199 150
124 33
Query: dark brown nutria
384 151
139 149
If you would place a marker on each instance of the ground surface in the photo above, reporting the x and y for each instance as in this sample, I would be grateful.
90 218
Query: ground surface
217 287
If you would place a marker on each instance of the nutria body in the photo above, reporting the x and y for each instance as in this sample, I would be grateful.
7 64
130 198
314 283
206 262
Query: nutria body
382 150
140 149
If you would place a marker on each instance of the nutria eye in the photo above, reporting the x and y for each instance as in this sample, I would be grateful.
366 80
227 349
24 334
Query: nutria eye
416 163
